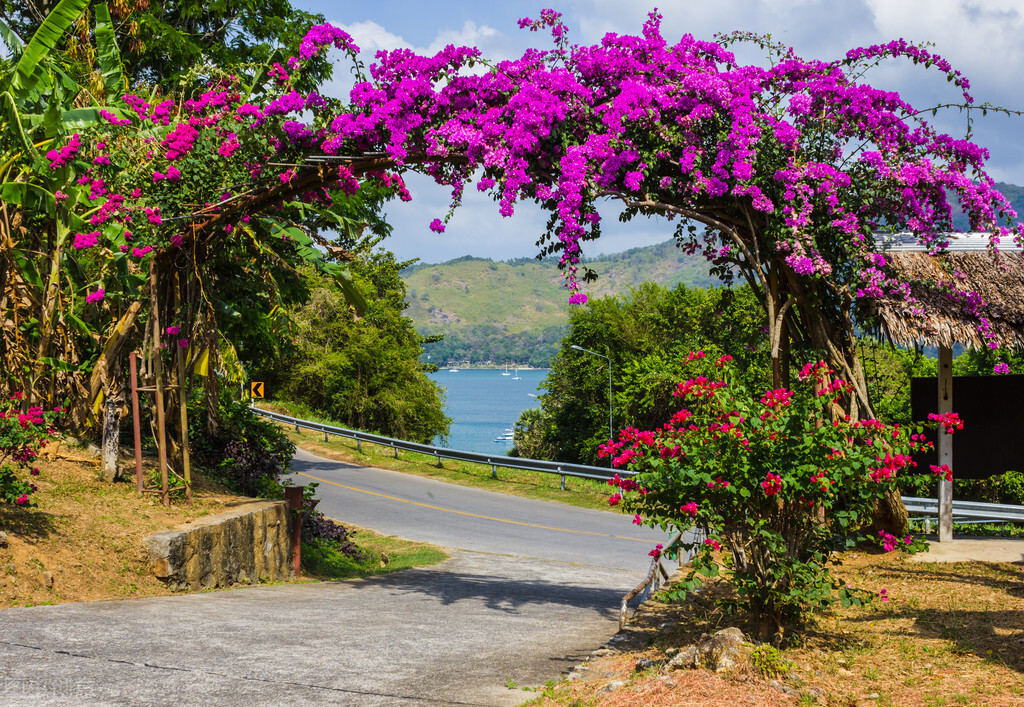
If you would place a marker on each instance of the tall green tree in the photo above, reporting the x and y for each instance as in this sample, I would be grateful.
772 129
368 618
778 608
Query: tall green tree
362 371
646 334
161 40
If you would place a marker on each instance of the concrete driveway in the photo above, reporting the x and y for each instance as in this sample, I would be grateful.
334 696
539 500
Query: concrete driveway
457 633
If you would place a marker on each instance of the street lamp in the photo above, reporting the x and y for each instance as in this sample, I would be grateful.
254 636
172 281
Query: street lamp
611 435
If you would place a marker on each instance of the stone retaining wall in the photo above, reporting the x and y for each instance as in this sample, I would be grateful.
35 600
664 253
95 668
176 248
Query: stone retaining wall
246 544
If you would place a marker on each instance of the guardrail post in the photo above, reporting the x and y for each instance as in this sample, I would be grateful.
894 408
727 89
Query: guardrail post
494 471
297 429
438 460
359 445
563 482
396 451
325 435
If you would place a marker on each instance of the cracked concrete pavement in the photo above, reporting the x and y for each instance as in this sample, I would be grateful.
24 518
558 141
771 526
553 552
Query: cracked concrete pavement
459 633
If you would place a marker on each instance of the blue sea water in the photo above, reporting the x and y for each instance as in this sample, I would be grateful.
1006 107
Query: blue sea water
483 404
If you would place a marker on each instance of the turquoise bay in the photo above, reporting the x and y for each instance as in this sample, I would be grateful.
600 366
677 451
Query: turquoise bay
484 404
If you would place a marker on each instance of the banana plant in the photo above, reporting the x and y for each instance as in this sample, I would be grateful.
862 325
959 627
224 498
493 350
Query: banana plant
46 340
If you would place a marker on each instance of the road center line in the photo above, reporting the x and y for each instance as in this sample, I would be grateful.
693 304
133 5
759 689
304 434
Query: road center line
471 515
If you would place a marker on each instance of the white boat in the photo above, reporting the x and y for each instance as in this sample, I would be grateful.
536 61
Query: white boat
453 370
506 373
508 436
516 376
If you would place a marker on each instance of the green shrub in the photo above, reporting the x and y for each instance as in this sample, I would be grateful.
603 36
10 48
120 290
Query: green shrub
247 453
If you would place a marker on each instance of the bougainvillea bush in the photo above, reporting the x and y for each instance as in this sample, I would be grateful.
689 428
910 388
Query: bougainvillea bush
778 484
787 169
22 435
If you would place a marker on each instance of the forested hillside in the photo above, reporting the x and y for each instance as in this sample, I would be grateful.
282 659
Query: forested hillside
1012 192
515 311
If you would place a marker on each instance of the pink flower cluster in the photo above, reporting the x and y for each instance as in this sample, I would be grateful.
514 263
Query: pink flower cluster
890 542
113 119
96 296
59 158
320 36
942 471
772 484
180 141
86 240
949 421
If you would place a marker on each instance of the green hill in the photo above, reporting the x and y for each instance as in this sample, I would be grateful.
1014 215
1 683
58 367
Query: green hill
515 311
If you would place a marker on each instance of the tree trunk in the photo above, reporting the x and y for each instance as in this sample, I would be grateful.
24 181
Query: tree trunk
111 444
890 514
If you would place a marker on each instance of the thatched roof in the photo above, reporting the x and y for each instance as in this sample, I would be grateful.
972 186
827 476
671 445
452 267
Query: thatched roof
936 318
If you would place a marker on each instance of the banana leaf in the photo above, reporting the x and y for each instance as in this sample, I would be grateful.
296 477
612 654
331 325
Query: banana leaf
28 73
107 53
11 39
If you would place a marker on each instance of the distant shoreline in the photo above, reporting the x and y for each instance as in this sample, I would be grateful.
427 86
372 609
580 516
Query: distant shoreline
472 367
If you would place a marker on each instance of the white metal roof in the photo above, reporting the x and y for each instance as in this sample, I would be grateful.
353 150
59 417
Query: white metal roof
907 242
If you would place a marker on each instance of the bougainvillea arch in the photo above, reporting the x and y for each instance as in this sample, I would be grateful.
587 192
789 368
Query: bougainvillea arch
780 174
789 169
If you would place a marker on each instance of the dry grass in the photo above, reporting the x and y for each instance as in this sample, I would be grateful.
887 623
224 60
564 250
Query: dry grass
951 634
84 540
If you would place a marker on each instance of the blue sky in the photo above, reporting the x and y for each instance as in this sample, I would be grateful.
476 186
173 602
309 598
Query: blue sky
982 38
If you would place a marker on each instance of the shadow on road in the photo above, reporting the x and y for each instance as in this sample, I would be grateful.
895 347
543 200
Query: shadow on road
500 592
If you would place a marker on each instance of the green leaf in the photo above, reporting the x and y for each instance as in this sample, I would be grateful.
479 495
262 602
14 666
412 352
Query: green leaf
11 39
58 364
352 294
75 269
52 122
83 327
28 73
29 273
80 118
108 55
15 116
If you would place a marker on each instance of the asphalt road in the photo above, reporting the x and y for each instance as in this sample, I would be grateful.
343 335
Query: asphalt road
473 519
531 589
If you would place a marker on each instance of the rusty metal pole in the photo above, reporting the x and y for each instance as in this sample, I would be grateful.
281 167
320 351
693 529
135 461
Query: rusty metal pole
133 366
293 495
183 408
158 370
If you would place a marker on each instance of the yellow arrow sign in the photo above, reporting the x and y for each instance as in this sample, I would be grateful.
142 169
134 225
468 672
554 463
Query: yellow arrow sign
256 389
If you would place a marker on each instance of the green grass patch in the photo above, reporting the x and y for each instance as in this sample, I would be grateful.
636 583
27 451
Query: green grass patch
989 530
583 493
382 555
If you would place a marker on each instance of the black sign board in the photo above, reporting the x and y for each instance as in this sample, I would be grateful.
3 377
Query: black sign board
992 409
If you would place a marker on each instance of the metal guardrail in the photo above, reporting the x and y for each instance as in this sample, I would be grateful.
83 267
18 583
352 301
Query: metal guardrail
656 577
581 471
965 511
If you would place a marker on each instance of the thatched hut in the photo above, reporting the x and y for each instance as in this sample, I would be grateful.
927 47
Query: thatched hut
951 294
943 317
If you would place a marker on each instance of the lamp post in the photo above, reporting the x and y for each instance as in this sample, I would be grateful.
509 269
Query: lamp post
611 434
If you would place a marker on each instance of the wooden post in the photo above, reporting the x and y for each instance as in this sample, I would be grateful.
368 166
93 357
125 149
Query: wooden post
133 367
158 371
945 446
183 409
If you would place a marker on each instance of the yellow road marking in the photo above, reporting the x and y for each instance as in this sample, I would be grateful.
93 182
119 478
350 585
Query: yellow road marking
471 515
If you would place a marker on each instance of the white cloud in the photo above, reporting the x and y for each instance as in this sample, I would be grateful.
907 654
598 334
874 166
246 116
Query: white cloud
470 35
371 37
980 37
